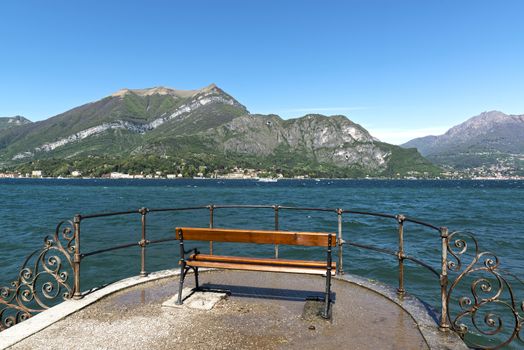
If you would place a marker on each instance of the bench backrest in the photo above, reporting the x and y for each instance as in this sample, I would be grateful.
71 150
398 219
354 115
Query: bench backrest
319 239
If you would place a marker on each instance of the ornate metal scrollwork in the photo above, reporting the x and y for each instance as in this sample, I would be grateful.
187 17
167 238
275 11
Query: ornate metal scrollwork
488 315
43 280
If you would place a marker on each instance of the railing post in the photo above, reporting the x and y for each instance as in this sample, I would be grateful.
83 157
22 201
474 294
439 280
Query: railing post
276 207
77 257
143 242
400 255
340 267
211 224
443 325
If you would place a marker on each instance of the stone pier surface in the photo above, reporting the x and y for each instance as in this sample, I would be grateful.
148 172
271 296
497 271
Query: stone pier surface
261 311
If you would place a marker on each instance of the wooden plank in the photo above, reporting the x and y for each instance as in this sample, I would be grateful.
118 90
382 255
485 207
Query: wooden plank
319 239
266 268
260 261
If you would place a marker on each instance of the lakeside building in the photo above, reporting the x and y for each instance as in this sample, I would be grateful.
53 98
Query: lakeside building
116 175
10 175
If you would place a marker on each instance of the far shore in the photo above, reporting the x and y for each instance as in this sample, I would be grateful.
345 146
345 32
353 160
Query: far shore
518 178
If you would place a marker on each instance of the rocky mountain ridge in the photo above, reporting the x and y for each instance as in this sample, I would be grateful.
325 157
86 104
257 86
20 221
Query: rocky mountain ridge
120 111
332 139
205 127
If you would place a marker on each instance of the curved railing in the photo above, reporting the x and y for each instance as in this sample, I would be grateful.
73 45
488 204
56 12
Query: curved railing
43 278
488 309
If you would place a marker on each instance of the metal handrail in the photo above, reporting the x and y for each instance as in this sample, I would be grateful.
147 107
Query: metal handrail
400 254
250 206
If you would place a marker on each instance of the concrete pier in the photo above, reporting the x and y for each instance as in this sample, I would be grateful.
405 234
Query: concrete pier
262 311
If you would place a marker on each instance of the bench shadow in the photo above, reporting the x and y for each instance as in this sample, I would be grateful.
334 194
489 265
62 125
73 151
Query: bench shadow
265 293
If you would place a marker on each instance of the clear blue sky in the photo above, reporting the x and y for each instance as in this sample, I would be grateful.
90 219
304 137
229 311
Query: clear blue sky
399 68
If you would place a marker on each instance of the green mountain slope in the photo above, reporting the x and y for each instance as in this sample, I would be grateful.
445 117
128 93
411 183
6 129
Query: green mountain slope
168 130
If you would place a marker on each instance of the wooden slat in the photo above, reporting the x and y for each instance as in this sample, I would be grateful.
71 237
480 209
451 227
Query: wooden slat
256 236
260 261
266 268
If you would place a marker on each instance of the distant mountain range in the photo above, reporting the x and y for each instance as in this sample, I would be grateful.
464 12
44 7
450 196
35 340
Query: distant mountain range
491 140
162 129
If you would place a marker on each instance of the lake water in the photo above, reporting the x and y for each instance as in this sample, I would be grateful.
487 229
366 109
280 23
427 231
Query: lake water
492 210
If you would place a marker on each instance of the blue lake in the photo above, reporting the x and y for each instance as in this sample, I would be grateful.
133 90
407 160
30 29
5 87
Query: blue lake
491 210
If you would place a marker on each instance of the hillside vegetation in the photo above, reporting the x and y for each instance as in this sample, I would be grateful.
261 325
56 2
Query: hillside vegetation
199 131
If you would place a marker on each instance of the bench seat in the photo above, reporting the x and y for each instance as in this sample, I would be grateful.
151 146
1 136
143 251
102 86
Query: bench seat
260 264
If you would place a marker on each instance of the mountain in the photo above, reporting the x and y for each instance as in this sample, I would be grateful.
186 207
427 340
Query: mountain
9 122
491 140
127 112
162 129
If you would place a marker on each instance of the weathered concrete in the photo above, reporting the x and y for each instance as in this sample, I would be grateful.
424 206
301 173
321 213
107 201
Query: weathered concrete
425 318
264 311
198 300
42 320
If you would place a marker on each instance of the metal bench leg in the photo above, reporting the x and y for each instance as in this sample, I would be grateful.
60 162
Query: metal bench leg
196 277
181 285
328 295
327 298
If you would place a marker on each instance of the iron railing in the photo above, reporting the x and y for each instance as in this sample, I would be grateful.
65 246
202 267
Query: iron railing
45 279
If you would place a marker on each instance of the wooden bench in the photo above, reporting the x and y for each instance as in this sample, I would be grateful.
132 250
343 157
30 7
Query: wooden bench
326 268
